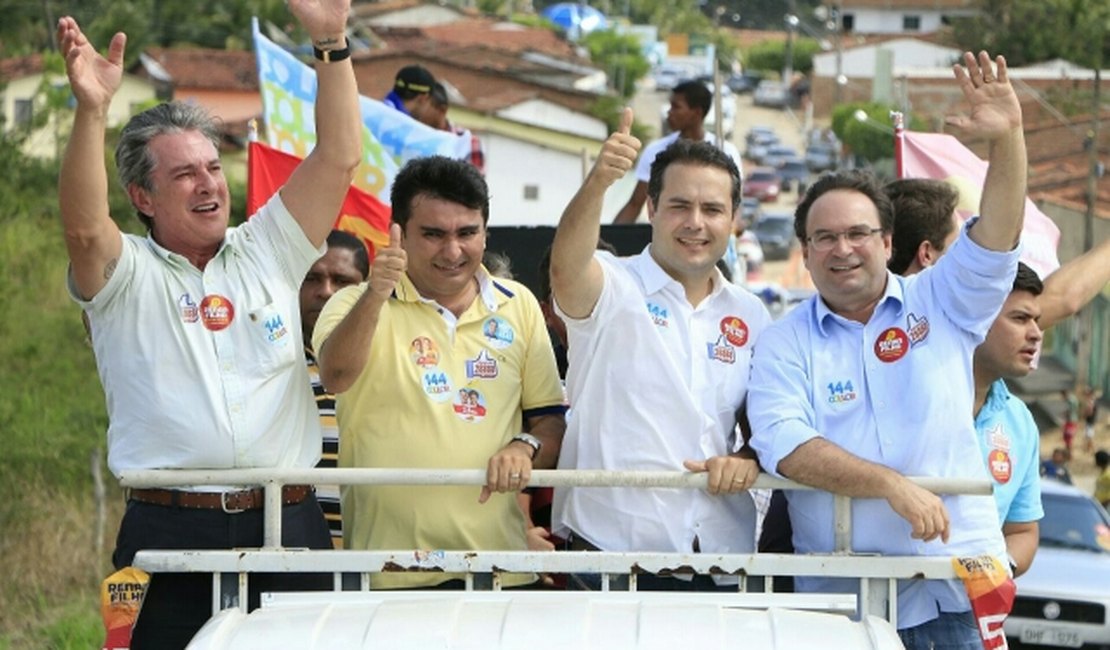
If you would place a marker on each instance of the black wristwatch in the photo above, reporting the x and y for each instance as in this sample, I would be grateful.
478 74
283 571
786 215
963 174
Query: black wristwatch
331 56
530 440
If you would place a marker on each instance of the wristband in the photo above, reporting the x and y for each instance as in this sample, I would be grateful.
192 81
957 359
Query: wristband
331 56
530 440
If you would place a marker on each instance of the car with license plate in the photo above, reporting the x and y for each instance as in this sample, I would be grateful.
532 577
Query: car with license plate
763 183
1063 601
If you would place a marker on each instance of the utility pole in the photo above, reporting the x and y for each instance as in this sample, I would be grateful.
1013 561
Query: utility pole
1083 323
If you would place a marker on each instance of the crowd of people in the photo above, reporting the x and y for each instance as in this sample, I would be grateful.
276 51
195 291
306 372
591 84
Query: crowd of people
421 357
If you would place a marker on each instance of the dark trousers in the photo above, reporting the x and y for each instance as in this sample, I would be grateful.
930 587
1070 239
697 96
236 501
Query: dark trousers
176 605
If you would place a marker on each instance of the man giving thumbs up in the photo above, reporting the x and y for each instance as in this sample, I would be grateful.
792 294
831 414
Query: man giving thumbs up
659 345
437 364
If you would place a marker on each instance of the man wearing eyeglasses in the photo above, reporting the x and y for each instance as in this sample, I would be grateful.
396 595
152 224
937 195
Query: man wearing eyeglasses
870 382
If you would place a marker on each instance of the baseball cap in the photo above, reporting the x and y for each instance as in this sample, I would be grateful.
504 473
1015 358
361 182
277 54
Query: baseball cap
414 78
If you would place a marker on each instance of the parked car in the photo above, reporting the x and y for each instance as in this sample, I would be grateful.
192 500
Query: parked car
757 146
772 94
763 183
666 76
777 154
776 235
821 157
751 209
760 132
794 173
745 82
1064 598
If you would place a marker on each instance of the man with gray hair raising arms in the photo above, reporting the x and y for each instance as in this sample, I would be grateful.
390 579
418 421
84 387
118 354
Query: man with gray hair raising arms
196 327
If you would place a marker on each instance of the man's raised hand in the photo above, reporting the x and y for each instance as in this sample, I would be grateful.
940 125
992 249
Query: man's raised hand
93 78
389 263
618 154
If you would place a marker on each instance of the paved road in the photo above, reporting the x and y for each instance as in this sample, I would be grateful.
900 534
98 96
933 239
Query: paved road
646 106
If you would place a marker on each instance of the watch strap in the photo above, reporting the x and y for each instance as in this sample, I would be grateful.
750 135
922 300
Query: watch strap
330 56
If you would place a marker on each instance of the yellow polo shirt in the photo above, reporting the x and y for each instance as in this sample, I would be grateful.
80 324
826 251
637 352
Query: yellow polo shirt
440 392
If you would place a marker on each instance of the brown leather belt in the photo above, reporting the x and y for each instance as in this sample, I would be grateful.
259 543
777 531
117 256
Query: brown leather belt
237 501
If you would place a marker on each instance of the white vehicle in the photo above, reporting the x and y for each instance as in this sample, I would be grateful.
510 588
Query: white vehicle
353 616
1063 601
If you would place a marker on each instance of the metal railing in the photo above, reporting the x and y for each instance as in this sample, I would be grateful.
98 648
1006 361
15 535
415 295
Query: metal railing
351 569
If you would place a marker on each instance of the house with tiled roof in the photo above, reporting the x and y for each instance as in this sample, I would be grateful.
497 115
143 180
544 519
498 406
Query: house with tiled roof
392 13
22 80
225 82
535 125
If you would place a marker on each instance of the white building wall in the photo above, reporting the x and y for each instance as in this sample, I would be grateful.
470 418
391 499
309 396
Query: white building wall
859 62
513 166
890 21
557 118
133 92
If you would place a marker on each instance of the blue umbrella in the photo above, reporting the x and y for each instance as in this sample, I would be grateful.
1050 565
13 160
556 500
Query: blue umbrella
576 18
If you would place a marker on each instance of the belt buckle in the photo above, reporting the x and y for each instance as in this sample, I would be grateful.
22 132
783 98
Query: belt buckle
223 505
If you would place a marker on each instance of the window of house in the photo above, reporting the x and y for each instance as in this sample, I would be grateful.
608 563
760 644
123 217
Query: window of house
531 192
24 112
911 23
848 23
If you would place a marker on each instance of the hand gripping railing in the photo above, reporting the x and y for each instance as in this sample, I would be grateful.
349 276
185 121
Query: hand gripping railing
877 574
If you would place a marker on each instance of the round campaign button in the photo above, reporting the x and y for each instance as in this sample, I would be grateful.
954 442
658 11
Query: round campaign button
216 312
735 330
892 345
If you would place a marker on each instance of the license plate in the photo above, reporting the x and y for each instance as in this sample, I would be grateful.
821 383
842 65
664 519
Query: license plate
1051 636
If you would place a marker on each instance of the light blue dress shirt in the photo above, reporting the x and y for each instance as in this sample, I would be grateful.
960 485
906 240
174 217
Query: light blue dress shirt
897 391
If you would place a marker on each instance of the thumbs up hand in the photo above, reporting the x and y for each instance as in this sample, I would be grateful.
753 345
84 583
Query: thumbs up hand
618 154
389 263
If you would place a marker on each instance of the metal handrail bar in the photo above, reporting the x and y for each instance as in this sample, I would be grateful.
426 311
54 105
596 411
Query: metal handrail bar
873 592
276 478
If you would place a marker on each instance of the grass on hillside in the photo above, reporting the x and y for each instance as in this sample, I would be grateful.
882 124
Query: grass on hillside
53 420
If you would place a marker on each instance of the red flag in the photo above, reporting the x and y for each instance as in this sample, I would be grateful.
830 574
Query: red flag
943 157
362 214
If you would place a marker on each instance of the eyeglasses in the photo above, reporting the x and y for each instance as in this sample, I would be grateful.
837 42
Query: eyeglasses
824 241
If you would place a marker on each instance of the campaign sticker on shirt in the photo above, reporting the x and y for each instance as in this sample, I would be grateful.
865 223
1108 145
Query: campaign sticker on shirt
841 392
498 332
721 350
436 384
273 326
997 438
189 311
892 345
735 329
999 463
424 352
918 328
659 315
216 312
481 367
470 405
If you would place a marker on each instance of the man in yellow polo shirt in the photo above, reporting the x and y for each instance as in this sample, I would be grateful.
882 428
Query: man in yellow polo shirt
436 364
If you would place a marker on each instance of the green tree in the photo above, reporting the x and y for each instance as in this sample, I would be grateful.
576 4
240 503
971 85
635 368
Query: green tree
620 56
770 56
867 138
1030 31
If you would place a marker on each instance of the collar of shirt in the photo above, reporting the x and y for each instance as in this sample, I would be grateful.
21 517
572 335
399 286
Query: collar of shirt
656 279
394 100
490 291
894 291
997 396
177 258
